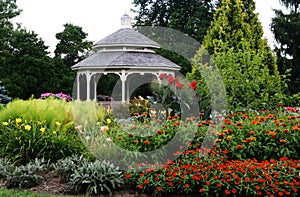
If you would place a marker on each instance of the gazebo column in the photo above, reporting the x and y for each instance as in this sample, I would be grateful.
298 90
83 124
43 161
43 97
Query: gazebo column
88 86
95 80
78 86
123 77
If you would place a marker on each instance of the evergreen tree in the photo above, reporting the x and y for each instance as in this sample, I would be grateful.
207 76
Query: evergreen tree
286 28
246 63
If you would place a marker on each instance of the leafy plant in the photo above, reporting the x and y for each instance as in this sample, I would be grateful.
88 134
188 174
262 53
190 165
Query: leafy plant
6 167
28 175
64 168
94 178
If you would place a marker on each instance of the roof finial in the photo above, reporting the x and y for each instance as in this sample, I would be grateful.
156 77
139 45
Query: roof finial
126 21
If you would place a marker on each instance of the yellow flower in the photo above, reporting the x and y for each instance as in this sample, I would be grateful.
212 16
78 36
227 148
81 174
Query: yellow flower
18 120
54 132
42 130
58 123
5 123
27 127
108 121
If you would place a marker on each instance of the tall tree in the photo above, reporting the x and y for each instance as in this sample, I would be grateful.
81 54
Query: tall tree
191 17
72 48
29 71
8 10
246 63
286 29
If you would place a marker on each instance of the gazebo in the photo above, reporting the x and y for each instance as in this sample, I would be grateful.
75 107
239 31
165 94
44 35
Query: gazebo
125 53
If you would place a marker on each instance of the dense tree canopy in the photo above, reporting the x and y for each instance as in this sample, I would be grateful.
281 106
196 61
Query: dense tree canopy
29 70
286 29
71 48
191 17
246 63
26 67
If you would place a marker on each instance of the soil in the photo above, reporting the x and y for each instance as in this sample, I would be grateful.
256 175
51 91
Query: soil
54 186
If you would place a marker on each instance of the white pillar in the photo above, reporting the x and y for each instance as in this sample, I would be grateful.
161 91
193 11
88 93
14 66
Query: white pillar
78 86
95 88
123 79
88 85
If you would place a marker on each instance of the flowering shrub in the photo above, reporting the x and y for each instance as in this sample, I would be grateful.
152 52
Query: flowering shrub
255 154
24 140
214 175
61 95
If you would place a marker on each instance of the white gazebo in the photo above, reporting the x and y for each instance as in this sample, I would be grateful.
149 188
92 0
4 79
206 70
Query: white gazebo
124 53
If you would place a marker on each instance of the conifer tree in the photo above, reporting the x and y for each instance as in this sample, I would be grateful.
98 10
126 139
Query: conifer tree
246 62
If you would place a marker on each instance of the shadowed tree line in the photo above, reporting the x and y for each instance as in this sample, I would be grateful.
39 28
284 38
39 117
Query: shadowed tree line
27 68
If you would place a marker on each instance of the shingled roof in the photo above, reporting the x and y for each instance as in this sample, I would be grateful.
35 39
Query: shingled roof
126 37
126 60
126 48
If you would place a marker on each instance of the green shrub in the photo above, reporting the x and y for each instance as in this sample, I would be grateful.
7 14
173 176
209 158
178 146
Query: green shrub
23 141
28 175
64 168
6 167
49 110
94 178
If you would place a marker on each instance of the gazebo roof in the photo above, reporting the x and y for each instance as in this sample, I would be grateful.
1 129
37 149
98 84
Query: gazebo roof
126 48
126 37
128 59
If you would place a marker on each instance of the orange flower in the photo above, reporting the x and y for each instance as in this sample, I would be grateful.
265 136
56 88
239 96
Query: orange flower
227 192
159 189
135 141
239 146
146 182
251 132
140 186
186 185
229 138
234 191
160 132
146 142
282 140
239 124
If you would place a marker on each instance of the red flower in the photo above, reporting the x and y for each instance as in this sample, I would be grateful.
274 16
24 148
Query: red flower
251 132
234 191
160 132
146 142
140 186
187 185
193 85
179 85
127 176
162 76
201 190
171 184
207 183
171 79
159 189
227 192
219 185
146 182
239 146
